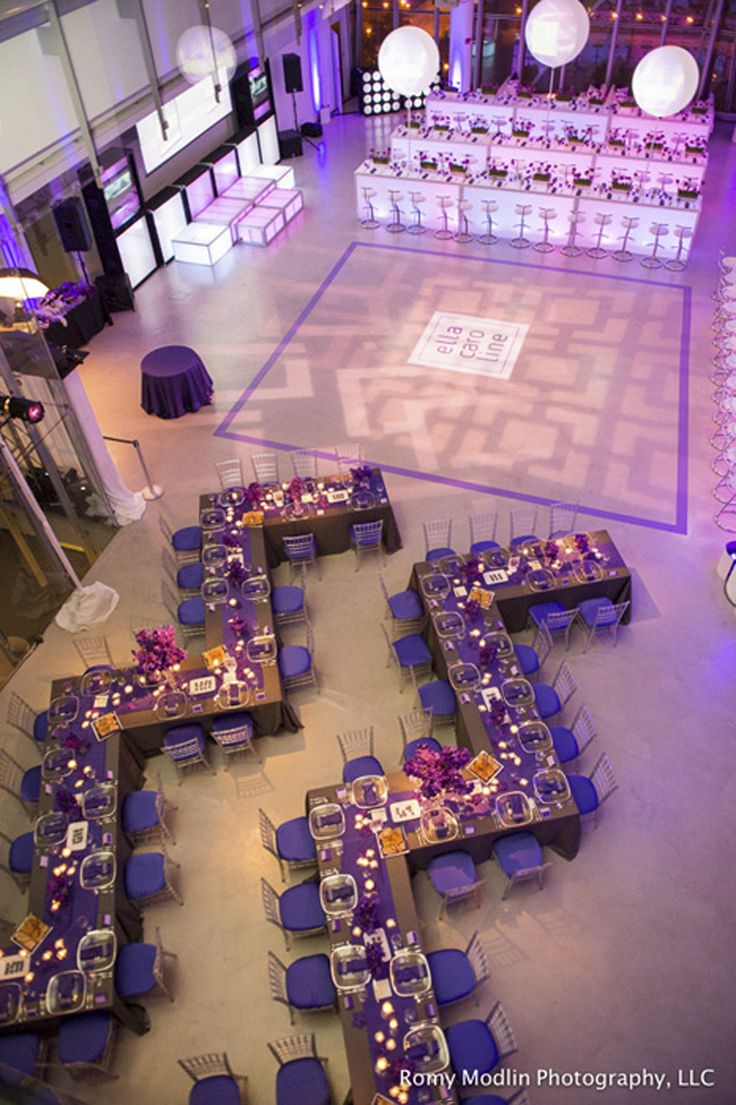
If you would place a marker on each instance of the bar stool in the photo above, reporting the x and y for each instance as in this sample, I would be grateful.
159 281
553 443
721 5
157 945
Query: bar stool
629 223
489 207
499 122
462 234
417 227
723 491
370 222
725 519
575 218
659 230
444 203
395 226
523 210
546 214
602 220
683 235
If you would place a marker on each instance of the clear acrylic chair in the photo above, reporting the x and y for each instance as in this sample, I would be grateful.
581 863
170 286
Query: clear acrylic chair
520 857
301 552
437 538
409 655
145 813
215 1065
365 538
571 743
94 651
295 828
297 906
23 785
313 1001
265 467
186 753
230 473
562 519
26 721
591 791
296 664
607 615
348 454
483 528
523 524
304 463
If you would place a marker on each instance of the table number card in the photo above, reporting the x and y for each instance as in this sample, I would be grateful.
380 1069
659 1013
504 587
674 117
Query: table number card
204 684
76 835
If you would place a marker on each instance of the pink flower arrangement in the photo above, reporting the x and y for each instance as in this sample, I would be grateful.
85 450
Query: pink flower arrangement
439 773
157 650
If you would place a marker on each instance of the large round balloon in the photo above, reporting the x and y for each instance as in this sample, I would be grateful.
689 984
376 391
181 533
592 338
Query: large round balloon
204 52
408 60
665 81
556 31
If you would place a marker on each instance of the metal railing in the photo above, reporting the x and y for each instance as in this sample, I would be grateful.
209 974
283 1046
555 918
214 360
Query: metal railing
152 490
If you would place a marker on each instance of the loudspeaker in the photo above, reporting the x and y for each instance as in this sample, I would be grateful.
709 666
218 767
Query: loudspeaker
116 292
73 225
290 143
292 72
311 130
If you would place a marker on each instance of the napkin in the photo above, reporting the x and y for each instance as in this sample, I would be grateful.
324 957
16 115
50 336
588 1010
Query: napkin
426 1050
408 974
351 966
330 819
336 893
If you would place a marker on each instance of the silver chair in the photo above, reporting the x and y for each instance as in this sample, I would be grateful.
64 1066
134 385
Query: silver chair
369 222
570 249
172 571
523 874
167 891
564 684
214 1065
404 671
292 1048
546 214
542 645
604 783
356 743
20 878
602 220
415 726
235 738
303 678
348 455
462 234
562 519
584 733
483 528
437 537
301 552
523 524
25 720
678 262
562 622
230 473
272 911
502 1032
159 832
265 467
443 232
366 537
476 956
304 463
16 781
278 985
158 968
652 260
172 537
417 226
490 207
186 755
188 631
403 625
629 223
94 651
269 839
606 617
395 226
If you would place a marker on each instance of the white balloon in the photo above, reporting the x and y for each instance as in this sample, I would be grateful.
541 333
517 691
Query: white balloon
556 31
198 55
665 81
408 60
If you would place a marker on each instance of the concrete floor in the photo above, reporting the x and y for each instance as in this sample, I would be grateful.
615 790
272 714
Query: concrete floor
622 962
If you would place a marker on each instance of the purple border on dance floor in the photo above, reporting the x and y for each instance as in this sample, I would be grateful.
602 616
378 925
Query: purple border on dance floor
680 523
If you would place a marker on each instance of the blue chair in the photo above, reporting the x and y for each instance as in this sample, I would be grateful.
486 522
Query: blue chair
291 843
298 912
438 696
288 604
570 743
532 657
24 786
549 698
139 969
416 733
590 792
301 552
185 745
296 664
410 655
366 537
562 519
32 725
404 607
437 538
147 879
143 815
18 858
523 522
306 984
554 617
601 613
189 615
21 1056
301 1077
457 974
233 734
483 533
186 542
214 1080
520 857
356 748
188 577
454 877
85 1043
480 1045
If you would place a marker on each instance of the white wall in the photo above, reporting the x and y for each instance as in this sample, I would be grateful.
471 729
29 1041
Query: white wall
106 56
35 106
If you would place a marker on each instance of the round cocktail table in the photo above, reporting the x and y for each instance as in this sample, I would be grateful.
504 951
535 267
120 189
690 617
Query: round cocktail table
174 382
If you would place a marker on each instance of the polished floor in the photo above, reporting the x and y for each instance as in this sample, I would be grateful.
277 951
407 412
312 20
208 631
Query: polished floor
623 961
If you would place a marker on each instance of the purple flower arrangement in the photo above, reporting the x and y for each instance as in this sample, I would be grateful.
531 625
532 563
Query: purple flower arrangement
235 573
471 572
374 957
487 655
365 913
254 493
550 551
57 302
361 475
439 773
582 543
239 626
75 743
472 609
296 488
497 712
157 650
58 887
230 542
66 801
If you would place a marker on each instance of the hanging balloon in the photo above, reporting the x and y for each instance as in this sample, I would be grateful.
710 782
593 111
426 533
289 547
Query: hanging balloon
408 60
665 81
204 52
556 31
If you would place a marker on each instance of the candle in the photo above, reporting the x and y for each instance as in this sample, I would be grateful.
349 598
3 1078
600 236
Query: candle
387 1009
381 1064
393 1024
391 1044
379 1037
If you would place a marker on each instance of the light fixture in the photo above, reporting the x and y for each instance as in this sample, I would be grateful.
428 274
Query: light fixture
21 284
27 410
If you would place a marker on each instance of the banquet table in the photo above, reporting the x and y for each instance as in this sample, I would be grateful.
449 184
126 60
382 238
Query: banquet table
174 381
56 894
81 322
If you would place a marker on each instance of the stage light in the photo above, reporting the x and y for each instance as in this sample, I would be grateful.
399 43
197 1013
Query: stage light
27 410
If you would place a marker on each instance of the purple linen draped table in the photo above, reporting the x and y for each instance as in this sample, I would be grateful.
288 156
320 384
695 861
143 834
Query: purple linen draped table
174 381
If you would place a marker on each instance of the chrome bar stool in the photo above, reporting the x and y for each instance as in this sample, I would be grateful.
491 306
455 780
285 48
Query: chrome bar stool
546 214
629 223
523 210
370 222
659 230
602 220
499 122
462 234
444 203
683 235
490 207
575 218
725 519
395 226
723 491
417 227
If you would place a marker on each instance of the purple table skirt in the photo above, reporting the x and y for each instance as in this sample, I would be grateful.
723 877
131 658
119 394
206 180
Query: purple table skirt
174 381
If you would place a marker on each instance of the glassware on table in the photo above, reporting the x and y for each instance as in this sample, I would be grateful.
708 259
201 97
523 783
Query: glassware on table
517 692
234 694
338 894
98 680
262 649
435 585
98 870
540 579
551 785
513 809
349 967
10 1002
50 829
213 519
215 590
438 824
587 571
63 710
534 737
495 558
171 705
231 496
502 643
66 992
426 1047
370 791
451 564
326 822
464 676
96 951
410 974
214 557
257 587
362 499
449 624
532 550
55 765
100 801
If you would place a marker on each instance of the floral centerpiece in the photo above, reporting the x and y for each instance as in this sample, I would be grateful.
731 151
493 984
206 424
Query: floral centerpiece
58 302
379 157
439 774
157 653
361 476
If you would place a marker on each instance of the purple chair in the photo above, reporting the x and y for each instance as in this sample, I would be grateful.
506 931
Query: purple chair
480 1045
306 984
85 1043
356 748
25 786
291 843
457 974
21 1056
520 857
301 1078
147 879
214 1080
143 816
410 655
590 792
454 877
298 912
18 858
404 607
23 718
416 729
549 698
185 747
288 604
139 969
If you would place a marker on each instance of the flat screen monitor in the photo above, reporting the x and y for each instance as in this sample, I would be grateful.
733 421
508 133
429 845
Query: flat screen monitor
121 192
260 93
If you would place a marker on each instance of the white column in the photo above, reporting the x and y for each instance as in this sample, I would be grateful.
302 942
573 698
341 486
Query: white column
461 45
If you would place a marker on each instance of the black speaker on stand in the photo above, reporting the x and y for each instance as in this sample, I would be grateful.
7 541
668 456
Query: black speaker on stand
293 83
74 229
